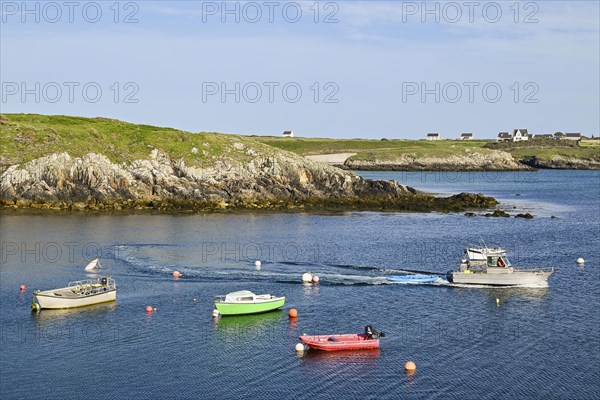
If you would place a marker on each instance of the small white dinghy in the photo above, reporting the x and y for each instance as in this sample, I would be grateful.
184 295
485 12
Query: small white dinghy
93 265
77 294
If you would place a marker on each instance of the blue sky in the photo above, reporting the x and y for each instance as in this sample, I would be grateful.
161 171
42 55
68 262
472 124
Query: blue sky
351 69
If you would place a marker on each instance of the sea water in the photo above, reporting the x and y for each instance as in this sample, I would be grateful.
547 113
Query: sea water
467 343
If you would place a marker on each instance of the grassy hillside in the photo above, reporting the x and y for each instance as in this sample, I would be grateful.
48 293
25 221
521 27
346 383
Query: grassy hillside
390 149
24 137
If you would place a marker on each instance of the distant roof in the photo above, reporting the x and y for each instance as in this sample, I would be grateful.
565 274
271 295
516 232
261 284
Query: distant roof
504 135
287 132
466 134
523 131
578 134
543 135
433 134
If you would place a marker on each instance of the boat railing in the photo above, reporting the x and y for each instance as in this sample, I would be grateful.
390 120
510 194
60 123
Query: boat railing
91 286
540 269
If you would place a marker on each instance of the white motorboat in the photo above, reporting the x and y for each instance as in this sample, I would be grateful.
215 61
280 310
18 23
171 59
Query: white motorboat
496 270
77 294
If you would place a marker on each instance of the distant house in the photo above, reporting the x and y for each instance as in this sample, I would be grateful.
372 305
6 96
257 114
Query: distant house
543 136
466 136
288 133
434 136
559 135
519 135
572 136
504 137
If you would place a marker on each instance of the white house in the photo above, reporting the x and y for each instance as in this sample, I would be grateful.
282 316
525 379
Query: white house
466 136
434 136
572 136
288 134
519 135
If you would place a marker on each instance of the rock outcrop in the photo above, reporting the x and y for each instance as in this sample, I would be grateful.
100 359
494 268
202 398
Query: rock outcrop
492 160
562 162
278 181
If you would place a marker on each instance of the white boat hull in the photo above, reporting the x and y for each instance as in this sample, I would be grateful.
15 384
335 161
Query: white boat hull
49 301
513 278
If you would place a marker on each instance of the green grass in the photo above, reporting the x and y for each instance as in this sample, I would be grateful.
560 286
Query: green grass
583 153
589 143
24 137
391 148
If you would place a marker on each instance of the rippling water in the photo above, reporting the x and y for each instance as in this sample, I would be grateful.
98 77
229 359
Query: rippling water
537 343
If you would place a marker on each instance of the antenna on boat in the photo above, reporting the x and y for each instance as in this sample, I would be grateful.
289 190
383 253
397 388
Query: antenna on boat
483 241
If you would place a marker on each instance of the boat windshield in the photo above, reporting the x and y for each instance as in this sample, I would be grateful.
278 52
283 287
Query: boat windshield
497 261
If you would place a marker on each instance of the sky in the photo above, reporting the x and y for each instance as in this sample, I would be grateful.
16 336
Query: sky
340 69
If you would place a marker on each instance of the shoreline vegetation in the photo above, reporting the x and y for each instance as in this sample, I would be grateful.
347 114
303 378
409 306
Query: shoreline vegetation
97 164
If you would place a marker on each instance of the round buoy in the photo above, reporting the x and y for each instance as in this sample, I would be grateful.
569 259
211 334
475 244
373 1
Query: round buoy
580 261
497 301
299 347
410 366
293 313
23 288
177 274
257 263
149 309
315 279
215 313
307 277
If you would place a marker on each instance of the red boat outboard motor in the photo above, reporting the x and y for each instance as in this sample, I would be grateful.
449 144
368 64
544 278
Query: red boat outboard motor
372 333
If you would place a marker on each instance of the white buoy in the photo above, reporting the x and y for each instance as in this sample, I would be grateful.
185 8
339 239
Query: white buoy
497 301
307 277
315 279
299 347
215 313
580 261
257 263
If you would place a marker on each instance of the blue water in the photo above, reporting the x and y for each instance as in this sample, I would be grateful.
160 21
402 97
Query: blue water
536 343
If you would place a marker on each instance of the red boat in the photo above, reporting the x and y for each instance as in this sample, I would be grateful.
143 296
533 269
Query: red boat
349 341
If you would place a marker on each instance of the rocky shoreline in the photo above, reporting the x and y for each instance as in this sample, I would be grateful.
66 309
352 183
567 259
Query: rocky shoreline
559 162
497 161
279 181
493 160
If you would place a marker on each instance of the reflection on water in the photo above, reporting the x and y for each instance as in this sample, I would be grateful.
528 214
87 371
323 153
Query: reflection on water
336 358
65 315
508 293
248 327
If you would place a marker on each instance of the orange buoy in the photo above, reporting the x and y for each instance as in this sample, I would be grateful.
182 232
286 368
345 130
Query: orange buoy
23 288
315 279
410 366
177 274
149 309
293 313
